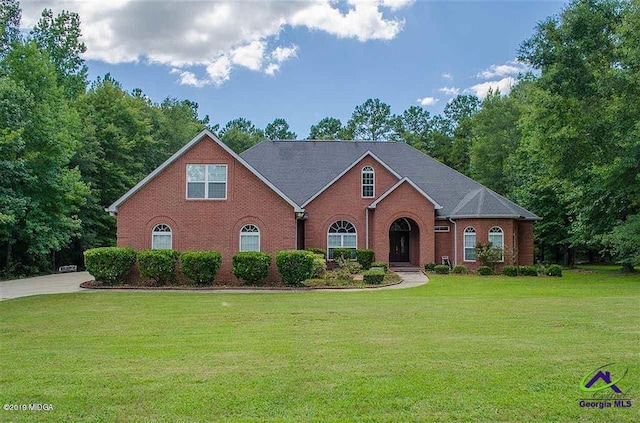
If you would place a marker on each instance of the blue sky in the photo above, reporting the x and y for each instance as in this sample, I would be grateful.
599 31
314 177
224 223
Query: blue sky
304 60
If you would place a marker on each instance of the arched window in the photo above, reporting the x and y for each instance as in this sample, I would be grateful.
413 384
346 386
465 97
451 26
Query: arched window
249 238
400 225
161 238
496 238
469 244
368 182
341 234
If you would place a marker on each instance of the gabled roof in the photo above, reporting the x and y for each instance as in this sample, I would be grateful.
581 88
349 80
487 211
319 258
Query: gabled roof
396 185
205 133
302 169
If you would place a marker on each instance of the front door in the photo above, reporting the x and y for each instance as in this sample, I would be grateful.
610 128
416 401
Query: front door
399 246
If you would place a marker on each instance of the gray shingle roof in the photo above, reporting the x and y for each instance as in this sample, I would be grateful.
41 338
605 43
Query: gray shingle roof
300 169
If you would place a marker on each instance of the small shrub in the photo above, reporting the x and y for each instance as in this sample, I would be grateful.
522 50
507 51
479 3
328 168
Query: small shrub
441 269
251 266
295 266
510 271
373 277
365 258
316 250
159 265
109 264
380 264
485 271
430 267
319 265
488 255
528 271
381 269
200 266
460 269
342 253
554 270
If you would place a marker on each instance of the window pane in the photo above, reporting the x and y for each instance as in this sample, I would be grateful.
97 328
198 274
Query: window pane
349 241
249 242
195 173
495 239
469 254
217 190
195 190
367 178
367 191
470 241
335 241
217 173
161 242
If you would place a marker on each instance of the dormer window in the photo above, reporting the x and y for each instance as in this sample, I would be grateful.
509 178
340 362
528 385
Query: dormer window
368 182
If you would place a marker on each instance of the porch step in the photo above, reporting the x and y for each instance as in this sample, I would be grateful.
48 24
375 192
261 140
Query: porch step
401 268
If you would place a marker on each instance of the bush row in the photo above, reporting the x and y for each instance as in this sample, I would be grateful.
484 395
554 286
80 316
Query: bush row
553 270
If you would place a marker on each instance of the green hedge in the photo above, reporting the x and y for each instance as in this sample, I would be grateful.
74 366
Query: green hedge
295 266
365 257
441 269
528 270
460 269
316 250
380 264
251 266
200 266
373 276
554 270
510 271
159 265
319 265
485 271
345 253
109 264
430 267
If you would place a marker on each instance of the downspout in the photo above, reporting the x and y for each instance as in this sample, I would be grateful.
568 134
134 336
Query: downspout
455 242
366 227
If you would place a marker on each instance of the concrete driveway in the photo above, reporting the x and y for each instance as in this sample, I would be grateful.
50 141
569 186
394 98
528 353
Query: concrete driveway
51 284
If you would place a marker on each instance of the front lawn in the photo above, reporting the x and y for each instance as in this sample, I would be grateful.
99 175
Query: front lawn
461 348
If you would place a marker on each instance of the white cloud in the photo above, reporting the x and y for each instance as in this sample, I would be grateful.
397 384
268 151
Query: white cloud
197 34
271 69
512 68
504 85
446 75
427 101
452 91
189 78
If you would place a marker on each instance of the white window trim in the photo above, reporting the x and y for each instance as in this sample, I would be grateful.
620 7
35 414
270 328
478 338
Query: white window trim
442 229
373 184
464 243
502 236
206 181
249 234
355 234
165 233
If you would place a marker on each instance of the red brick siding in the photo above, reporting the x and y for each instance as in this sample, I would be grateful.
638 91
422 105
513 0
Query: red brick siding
525 243
482 227
207 224
444 242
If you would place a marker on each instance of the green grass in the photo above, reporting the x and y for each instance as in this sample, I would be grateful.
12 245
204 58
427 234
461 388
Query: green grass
461 348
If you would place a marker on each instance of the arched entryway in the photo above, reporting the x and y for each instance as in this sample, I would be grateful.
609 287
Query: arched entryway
403 241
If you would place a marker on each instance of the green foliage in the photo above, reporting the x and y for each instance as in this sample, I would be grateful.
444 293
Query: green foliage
240 134
485 271
279 130
109 264
528 270
159 265
252 267
510 271
430 267
343 253
319 265
10 15
381 269
347 266
373 276
554 270
200 266
488 255
460 269
365 257
295 266
382 264
441 269
316 250
373 121
328 129
624 241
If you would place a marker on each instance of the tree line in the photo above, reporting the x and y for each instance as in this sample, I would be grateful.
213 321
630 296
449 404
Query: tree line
564 143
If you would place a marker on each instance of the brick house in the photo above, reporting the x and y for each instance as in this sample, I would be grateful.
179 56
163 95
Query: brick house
406 206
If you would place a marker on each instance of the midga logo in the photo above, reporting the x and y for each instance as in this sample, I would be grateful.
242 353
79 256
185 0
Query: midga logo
588 383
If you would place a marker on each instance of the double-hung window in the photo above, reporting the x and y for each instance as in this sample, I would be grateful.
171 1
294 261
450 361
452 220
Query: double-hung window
469 244
207 181
342 234
496 238
368 182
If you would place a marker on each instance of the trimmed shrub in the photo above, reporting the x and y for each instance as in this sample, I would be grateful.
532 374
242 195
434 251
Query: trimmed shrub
485 271
460 269
378 268
200 266
316 250
528 271
380 264
342 253
365 258
373 276
159 265
441 269
251 266
295 266
430 267
554 270
319 265
109 264
510 271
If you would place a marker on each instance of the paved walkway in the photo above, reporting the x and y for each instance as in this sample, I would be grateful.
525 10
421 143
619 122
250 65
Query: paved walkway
70 282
